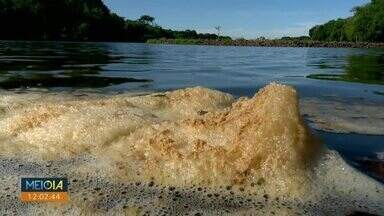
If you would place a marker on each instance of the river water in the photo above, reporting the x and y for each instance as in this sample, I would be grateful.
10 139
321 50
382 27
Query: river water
348 76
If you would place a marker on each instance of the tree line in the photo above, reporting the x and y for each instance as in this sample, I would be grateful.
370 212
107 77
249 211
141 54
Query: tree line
91 20
366 25
79 20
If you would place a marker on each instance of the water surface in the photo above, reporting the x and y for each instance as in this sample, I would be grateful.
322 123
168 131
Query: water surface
347 75
356 73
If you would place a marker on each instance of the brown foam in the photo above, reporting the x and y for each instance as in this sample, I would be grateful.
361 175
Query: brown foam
122 153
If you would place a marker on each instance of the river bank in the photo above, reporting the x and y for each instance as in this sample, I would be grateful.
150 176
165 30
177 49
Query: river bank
268 43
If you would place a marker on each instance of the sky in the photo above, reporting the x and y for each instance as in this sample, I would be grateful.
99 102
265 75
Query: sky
238 18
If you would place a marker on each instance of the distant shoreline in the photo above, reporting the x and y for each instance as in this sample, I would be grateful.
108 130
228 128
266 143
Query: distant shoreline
268 43
237 42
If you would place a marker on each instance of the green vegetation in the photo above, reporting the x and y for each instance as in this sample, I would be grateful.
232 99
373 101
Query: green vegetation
360 69
91 20
79 20
145 29
367 25
59 20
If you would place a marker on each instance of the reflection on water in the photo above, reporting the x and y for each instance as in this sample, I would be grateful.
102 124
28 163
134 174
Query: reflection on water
236 70
53 65
356 68
51 81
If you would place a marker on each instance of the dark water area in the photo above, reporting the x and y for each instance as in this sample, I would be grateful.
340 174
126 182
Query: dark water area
339 74
360 151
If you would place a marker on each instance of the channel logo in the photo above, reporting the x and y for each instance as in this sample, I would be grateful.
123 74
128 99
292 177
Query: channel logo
44 190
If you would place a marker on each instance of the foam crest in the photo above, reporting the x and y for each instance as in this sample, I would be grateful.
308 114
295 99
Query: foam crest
194 150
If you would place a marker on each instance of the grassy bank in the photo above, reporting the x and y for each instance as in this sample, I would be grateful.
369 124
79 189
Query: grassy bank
268 43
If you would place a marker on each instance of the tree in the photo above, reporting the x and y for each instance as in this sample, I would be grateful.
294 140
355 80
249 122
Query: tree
367 24
83 31
146 19
79 20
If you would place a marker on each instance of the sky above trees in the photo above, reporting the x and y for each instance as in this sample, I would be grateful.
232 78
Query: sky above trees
240 18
